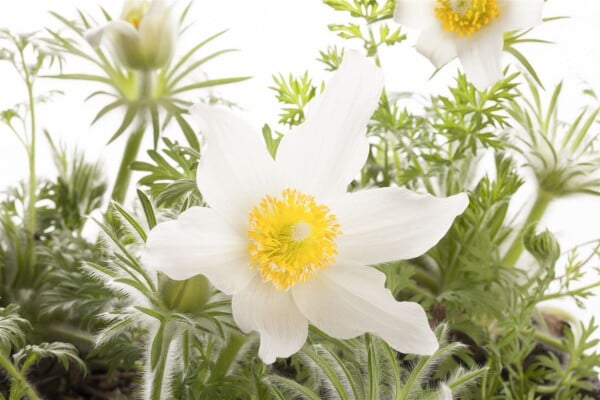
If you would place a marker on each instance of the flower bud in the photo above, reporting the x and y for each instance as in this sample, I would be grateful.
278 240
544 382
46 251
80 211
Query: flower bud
543 246
143 39
187 296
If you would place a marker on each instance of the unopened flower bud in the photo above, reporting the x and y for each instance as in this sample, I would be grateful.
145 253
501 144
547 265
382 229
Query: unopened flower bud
143 38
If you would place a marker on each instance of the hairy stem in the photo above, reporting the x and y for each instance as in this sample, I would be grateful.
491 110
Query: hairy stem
31 153
132 148
542 202
17 377
130 153
157 375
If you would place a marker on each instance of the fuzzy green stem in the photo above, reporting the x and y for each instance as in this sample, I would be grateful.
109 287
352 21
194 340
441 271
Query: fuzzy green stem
412 380
549 340
158 374
130 153
571 293
144 89
227 357
31 153
373 369
31 223
17 377
540 206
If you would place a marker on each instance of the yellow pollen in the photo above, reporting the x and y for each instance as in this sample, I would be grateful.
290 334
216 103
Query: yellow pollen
466 17
291 237
135 21
134 15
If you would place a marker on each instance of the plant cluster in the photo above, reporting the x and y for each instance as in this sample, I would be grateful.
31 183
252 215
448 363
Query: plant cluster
85 318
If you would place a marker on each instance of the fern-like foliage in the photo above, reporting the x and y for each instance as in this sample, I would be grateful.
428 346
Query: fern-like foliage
367 368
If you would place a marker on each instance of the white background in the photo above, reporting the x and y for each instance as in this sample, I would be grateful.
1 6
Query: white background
285 36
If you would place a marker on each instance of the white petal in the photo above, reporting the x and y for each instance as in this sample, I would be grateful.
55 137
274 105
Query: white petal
273 314
235 169
481 56
124 41
112 30
417 14
94 36
346 302
199 242
520 14
437 45
136 7
158 34
327 151
387 224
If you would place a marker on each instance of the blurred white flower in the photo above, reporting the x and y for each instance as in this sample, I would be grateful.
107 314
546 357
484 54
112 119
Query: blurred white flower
472 30
285 239
143 39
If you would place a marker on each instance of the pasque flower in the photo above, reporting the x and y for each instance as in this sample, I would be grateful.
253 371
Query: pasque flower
285 239
143 39
472 30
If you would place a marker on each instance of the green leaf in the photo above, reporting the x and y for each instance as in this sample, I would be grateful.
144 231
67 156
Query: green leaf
148 209
176 190
130 115
108 108
296 386
191 52
132 221
157 346
82 77
209 83
271 142
195 65
155 124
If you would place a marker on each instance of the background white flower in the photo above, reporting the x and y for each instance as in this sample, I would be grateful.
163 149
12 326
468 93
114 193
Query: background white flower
144 38
472 30
285 239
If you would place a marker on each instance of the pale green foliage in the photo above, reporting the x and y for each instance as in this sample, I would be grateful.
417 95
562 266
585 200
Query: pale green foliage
159 97
296 93
563 155
367 368
170 176
12 329
149 99
65 353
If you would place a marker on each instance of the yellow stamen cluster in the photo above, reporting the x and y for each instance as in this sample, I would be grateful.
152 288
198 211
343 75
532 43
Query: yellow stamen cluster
134 15
291 237
135 21
466 17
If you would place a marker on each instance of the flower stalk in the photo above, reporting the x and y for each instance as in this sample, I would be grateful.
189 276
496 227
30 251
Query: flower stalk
145 87
156 379
31 154
540 206
130 153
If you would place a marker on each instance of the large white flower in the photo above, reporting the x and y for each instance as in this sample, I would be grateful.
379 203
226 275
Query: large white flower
143 39
472 30
285 239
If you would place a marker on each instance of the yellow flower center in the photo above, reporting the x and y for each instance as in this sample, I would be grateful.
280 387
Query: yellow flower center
466 17
135 14
291 237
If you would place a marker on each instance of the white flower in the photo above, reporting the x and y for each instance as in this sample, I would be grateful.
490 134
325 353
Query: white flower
143 39
285 239
472 30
